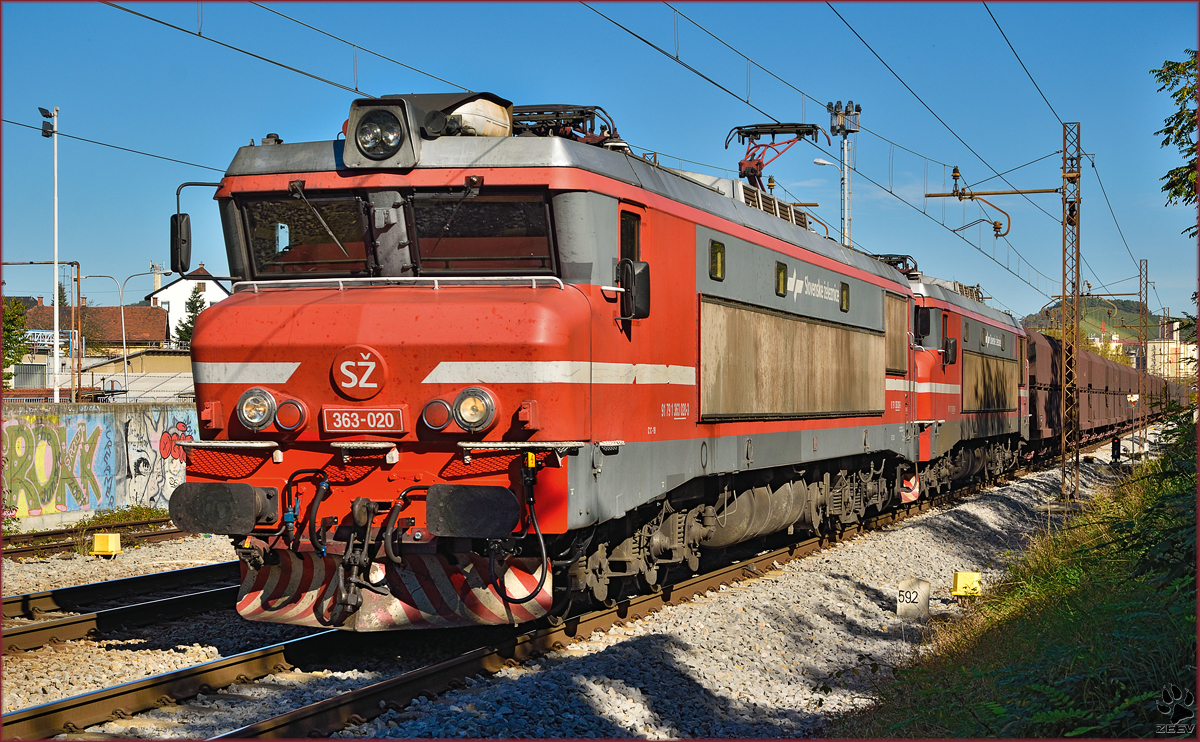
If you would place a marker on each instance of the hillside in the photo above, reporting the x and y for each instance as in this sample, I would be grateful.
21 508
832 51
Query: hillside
1096 319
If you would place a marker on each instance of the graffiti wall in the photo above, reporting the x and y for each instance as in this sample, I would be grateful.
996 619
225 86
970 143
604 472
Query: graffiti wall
60 458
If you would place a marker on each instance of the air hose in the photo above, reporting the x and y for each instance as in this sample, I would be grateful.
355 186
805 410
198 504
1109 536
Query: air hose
545 565
389 526
529 478
315 535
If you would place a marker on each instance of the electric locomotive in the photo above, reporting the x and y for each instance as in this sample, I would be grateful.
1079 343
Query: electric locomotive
483 363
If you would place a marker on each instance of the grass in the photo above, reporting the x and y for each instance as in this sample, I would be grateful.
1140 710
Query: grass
82 530
1088 628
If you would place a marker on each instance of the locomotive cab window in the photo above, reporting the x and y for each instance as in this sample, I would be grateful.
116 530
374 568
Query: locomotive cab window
716 260
781 279
323 236
844 301
631 236
489 235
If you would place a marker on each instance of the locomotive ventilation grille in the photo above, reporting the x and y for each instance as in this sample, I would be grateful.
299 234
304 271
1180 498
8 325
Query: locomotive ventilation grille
224 464
487 463
751 196
342 473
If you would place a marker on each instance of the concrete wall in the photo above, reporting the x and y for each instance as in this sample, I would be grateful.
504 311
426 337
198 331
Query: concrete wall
64 461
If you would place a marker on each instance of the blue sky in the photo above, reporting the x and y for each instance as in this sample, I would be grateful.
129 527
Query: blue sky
134 83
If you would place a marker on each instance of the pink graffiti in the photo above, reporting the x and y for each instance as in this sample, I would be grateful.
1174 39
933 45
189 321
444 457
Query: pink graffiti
168 444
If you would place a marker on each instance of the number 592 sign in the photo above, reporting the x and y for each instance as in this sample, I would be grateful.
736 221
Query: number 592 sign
358 371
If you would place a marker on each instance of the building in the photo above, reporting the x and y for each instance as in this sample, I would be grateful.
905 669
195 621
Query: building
144 327
1170 358
174 296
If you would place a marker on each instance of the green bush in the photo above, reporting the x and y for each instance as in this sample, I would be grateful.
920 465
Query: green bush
1090 625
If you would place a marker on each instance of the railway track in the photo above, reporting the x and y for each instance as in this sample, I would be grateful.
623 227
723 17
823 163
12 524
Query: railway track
35 619
72 715
68 539
360 705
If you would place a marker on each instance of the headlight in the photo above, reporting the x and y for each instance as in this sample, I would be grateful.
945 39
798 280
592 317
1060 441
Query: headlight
474 409
379 135
256 408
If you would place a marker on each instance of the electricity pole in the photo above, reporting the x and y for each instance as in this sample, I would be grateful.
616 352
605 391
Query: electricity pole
1069 378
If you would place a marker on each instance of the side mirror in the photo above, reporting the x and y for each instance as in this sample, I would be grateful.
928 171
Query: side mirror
921 323
950 355
181 243
634 277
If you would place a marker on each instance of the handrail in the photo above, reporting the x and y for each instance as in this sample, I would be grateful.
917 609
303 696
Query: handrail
385 280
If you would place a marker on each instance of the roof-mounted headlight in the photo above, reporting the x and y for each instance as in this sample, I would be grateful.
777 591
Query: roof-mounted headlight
256 408
379 134
387 132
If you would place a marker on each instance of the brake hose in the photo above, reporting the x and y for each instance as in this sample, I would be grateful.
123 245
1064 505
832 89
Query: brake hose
389 526
545 565
315 535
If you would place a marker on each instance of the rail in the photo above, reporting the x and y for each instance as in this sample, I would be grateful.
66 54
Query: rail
67 539
357 706
28 605
40 633
21 538
436 283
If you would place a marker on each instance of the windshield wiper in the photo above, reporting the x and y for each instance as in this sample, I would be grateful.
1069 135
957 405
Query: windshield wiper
471 190
296 188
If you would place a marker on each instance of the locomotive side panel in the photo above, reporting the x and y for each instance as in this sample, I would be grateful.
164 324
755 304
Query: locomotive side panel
756 364
989 383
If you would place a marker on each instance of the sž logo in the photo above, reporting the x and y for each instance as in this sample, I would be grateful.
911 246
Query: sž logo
358 372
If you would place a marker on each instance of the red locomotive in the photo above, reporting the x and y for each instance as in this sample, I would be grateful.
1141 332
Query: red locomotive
441 393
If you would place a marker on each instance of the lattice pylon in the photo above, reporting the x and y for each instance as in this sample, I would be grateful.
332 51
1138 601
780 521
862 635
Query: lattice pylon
1069 405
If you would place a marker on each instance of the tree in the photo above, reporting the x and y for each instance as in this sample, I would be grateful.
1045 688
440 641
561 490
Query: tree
195 305
15 346
1179 130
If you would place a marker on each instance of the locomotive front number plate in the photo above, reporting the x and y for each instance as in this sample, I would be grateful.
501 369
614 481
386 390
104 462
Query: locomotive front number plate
362 419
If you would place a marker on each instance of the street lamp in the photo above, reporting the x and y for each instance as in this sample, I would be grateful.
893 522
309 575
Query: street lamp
50 130
121 299
845 239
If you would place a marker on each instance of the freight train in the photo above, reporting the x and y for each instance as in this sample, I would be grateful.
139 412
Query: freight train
482 364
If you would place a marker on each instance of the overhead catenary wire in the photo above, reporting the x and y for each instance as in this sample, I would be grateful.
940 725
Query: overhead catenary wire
1032 269
113 146
733 49
1022 63
362 48
680 62
1018 167
934 114
1091 158
242 51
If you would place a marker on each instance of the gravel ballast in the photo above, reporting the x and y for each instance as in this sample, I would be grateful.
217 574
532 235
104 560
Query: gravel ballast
768 657
35 574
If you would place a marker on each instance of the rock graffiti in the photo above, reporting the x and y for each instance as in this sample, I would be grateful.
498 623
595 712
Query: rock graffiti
65 457
49 465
